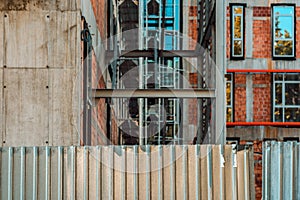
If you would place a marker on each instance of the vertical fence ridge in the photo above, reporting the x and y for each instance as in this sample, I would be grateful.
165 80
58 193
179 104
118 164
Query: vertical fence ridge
281 175
128 172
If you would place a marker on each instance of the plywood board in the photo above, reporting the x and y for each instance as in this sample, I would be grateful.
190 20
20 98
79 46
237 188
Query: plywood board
62 99
26 107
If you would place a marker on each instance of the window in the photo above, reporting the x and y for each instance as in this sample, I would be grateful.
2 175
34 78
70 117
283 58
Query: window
283 31
286 98
229 98
237 30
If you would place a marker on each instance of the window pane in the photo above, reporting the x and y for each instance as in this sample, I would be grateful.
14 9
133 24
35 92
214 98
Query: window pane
292 114
283 27
278 94
237 10
278 115
283 10
237 27
278 77
292 77
237 48
228 93
283 47
292 94
283 31
229 114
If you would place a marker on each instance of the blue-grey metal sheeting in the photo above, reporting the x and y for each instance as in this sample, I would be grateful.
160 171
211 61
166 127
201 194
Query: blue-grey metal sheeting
126 172
281 170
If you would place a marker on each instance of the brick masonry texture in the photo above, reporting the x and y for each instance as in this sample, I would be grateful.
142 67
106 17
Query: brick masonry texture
262 32
99 7
261 12
261 97
262 39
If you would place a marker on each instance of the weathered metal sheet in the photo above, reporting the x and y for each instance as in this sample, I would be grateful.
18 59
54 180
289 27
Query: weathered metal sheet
62 107
25 104
281 165
120 172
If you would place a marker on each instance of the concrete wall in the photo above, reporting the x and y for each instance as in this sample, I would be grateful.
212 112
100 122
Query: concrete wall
39 65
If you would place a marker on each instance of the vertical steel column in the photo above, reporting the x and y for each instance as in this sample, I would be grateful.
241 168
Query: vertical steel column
141 72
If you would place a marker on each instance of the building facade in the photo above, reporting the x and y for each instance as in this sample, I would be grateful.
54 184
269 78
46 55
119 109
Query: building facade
262 73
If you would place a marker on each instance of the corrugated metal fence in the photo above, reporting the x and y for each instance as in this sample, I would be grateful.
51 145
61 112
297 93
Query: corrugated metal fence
281 170
119 172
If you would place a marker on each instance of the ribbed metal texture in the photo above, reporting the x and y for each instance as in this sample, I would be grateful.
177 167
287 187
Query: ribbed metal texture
281 170
119 172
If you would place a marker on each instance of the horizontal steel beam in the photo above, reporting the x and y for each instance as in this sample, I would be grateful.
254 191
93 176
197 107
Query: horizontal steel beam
161 53
153 93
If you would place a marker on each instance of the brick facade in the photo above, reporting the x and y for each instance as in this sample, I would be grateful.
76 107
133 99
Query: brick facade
262 97
258 56
262 38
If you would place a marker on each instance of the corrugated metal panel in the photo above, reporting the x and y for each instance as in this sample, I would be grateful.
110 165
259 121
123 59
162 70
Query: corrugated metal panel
119 172
281 170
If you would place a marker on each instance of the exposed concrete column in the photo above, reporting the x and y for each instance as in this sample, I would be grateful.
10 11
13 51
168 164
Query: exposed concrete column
249 31
249 98
220 112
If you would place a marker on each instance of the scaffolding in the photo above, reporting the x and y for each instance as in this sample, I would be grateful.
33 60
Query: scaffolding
151 90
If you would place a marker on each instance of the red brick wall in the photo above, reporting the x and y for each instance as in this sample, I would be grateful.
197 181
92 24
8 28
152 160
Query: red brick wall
261 11
228 50
262 39
100 11
262 32
240 98
261 97
193 27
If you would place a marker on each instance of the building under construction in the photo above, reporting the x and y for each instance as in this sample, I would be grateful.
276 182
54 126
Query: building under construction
111 72
156 83
78 76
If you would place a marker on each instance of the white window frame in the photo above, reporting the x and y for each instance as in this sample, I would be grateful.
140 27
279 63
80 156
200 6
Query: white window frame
274 15
231 95
283 104
242 39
